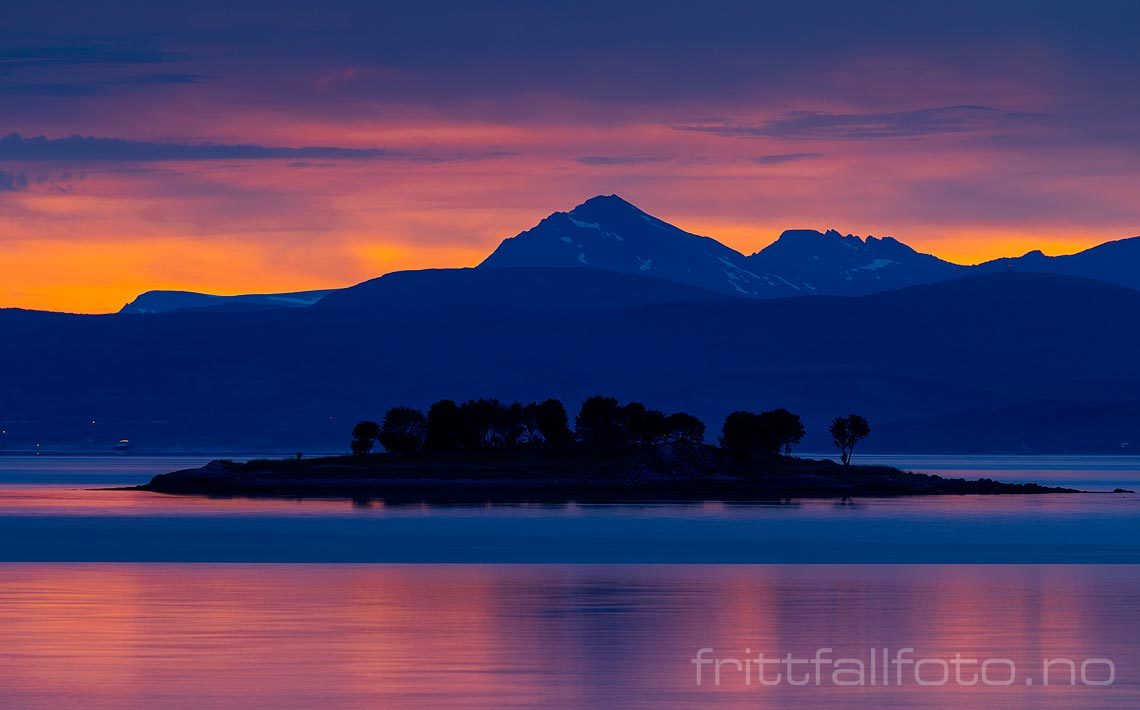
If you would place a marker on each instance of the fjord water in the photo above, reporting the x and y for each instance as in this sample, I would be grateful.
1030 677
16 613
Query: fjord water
182 636
127 599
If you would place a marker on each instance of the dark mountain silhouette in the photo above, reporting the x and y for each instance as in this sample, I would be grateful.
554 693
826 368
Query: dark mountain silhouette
830 263
294 379
511 288
608 233
1116 262
167 301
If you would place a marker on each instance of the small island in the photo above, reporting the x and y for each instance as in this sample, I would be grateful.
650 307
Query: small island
485 451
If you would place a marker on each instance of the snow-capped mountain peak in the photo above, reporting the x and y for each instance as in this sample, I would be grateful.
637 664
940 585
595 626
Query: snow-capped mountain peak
847 264
607 232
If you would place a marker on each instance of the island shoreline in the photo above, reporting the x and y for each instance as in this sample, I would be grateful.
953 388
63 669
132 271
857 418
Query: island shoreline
667 474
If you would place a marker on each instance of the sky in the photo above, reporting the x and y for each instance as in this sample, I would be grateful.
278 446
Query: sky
238 147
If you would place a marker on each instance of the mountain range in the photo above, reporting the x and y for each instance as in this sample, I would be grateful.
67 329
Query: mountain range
607 233
940 357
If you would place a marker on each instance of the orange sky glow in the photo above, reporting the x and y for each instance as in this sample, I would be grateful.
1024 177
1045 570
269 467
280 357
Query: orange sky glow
91 237
957 145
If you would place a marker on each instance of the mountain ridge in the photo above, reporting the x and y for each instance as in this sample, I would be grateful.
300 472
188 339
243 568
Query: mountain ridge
608 233
164 301
1116 261
515 288
832 263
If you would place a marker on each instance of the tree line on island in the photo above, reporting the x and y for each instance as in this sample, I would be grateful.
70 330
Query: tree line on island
602 423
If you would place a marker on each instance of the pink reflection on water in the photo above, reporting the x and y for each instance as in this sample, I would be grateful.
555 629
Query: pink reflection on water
557 636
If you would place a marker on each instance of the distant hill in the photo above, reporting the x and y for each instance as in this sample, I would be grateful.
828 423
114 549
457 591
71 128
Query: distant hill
294 379
535 288
608 233
1116 262
833 264
169 301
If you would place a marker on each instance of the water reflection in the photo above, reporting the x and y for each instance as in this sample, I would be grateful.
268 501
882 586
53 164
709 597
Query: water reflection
556 636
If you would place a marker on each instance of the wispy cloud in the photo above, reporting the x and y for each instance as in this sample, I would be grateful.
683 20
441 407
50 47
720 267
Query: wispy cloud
166 78
12 182
90 149
604 160
781 158
50 89
45 55
303 164
869 126
73 89
50 70
82 149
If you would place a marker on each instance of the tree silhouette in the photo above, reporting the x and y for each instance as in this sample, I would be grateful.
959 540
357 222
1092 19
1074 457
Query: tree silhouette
364 434
554 423
488 424
404 429
513 429
643 427
785 429
546 424
444 426
532 434
742 433
772 432
846 432
684 428
600 423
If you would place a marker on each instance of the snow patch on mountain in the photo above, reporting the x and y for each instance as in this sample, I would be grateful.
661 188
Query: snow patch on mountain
585 225
877 264
840 264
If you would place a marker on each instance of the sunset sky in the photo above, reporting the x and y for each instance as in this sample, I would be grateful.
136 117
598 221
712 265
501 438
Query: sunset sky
242 146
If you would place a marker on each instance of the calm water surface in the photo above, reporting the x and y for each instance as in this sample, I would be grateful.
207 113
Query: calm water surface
136 635
51 506
122 599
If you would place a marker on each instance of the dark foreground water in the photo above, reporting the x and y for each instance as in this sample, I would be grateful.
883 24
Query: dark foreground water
122 599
